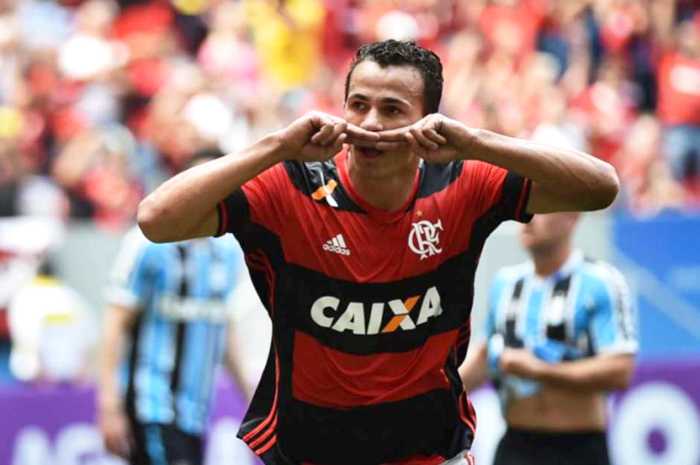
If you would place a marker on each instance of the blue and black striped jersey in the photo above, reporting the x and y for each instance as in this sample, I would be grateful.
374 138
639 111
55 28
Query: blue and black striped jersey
183 293
582 310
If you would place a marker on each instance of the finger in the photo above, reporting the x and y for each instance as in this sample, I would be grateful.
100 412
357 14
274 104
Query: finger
318 120
338 129
339 141
415 146
423 140
325 131
337 126
124 447
360 142
359 134
434 136
394 135
392 146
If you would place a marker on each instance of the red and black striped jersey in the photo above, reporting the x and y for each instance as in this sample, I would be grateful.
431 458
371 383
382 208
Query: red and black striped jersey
370 310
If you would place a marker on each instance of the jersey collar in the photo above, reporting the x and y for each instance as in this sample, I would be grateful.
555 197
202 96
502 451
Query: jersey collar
375 213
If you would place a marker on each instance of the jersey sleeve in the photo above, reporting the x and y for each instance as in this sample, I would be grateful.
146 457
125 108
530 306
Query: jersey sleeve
613 325
258 201
132 271
492 190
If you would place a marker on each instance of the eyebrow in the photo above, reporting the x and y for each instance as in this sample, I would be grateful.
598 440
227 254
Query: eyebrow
389 100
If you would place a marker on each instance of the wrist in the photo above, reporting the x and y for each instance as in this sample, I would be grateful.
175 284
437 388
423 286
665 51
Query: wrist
279 151
109 404
471 148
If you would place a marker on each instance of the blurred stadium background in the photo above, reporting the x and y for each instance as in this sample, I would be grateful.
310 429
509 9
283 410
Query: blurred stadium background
102 100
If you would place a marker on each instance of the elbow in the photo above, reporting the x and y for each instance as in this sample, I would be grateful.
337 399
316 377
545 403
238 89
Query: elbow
609 186
621 382
150 219
623 377
601 191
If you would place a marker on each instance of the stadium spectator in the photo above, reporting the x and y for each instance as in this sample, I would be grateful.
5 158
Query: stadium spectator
679 103
227 54
73 67
648 185
53 331
287 38
560 333
608 108
95 167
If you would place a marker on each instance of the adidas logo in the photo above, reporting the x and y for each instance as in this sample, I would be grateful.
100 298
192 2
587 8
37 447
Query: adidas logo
337 245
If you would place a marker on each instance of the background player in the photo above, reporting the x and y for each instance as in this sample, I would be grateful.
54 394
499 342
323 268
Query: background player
560 334
171 305
362 341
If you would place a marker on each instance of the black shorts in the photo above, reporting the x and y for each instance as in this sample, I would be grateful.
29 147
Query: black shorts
524 447
158 444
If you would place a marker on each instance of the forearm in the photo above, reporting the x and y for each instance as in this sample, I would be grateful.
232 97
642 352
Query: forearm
602 373
232 359
175 209
579 181
108 396
74 159
473 370
237 374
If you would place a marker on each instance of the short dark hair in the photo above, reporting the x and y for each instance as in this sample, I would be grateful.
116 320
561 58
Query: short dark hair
399 53
205 154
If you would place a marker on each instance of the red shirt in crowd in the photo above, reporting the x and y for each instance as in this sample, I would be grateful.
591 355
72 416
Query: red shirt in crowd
679 89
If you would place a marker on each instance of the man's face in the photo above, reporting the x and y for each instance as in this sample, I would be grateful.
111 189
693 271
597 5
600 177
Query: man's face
380 99
546 232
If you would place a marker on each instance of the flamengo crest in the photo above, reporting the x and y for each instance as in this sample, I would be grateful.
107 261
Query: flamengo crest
424 238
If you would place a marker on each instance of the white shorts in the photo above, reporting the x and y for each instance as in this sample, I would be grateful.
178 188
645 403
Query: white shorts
463 458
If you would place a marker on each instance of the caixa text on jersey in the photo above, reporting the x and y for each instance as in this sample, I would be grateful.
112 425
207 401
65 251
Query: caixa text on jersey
376 317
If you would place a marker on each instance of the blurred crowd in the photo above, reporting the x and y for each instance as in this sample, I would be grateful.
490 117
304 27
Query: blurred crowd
102 100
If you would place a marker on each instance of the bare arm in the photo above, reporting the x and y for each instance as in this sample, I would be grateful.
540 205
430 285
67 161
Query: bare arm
473 370
563 180
662 15
184 207
599 373
74 159
232 359
110 410
117 322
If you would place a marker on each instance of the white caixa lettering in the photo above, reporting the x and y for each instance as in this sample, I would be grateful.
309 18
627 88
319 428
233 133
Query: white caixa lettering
354 317
189 309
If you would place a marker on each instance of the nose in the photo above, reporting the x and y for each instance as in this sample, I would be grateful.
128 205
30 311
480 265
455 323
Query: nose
371 122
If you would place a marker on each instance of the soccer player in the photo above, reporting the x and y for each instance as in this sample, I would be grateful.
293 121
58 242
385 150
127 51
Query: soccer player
171 304
365 256
560 333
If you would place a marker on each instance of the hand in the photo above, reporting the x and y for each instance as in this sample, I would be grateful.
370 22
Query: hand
435 138
521 362
116 431
318 136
